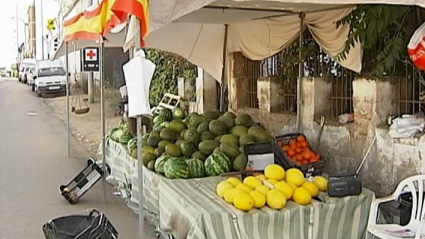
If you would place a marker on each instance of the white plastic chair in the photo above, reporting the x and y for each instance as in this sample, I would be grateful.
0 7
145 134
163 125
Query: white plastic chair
415 185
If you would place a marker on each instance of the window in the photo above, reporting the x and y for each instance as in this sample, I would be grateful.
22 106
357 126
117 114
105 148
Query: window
52 71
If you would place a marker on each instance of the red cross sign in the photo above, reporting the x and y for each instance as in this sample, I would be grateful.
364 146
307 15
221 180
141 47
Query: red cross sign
90 54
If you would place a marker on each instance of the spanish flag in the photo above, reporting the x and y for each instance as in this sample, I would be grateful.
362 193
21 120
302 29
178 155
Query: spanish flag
138 8
88 25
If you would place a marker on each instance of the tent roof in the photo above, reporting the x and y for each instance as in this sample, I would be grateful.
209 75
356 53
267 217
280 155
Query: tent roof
164 12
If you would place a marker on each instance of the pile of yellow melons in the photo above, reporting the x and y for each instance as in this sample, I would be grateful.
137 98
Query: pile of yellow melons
273 189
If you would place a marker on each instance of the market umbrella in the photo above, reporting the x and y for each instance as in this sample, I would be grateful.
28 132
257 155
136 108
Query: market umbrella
88 29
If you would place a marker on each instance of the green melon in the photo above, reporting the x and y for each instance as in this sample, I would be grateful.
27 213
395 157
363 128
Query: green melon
207 135
147 157
259 134
239 130
196 120
246 139
177 126
199 155
192 136
239 163
153 140
179 142
230 138
196 168
187 148
151 165
203 127
227 121
208 146
243 119
173 150
217 164
212 114
230 150
167 134
217 150
216 127
179 113
163 143
230 115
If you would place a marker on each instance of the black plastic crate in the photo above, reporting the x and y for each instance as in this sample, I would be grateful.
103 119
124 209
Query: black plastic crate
312 169
85 180
95 225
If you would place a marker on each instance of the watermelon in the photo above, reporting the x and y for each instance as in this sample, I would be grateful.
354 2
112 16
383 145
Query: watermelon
111 132
132 144
216 164
196 168
117 135
176 168
160 162
167 114
159 120
125 138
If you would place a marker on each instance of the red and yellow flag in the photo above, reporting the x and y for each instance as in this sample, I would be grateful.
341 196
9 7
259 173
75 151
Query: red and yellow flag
138 8
88 25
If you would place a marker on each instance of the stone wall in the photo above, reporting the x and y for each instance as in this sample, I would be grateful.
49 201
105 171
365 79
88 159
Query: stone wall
343 145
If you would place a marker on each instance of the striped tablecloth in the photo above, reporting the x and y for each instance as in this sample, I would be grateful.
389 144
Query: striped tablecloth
124 169
189 209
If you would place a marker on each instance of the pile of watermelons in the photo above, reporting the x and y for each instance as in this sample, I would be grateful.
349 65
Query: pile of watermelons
120 134
196 145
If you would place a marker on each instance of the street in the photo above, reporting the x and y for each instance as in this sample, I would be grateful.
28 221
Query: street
34 163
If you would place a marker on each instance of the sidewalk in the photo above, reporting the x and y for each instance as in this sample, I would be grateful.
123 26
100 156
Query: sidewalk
86 128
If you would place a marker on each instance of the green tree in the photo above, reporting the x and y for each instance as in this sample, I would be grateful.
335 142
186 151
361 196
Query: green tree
385 31
169 67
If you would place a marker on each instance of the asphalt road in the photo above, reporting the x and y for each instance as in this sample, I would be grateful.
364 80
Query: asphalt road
34 163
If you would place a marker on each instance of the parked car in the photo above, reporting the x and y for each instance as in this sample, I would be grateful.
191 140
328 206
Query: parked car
49 78
24 68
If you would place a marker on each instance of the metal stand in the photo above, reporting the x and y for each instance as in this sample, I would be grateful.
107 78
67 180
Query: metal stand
67 100
300 74
139 151
102 114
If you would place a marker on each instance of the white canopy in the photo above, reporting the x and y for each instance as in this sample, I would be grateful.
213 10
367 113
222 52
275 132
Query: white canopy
195 29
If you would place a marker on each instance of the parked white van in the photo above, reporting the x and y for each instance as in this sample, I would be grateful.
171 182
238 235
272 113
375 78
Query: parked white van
25 67
49 78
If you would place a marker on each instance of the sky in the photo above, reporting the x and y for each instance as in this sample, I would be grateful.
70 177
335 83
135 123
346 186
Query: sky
8 41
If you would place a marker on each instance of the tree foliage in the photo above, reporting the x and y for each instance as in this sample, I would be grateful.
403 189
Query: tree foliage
169 67
385 31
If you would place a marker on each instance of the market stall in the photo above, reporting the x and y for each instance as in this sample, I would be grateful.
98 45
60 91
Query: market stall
187 217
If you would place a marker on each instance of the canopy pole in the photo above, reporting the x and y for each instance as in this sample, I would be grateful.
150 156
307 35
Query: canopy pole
67 100
139 146
102 115
224 77
300 73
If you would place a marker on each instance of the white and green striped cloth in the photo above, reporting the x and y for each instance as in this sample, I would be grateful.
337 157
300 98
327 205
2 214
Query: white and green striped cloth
124 169
189 209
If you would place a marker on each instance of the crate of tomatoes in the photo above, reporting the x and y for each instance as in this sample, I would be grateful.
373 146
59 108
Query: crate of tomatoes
296 152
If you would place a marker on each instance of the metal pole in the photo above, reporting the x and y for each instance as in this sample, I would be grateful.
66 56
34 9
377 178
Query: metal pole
42 30
300 74
17 29
224 78
102 115
67 99
139 149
